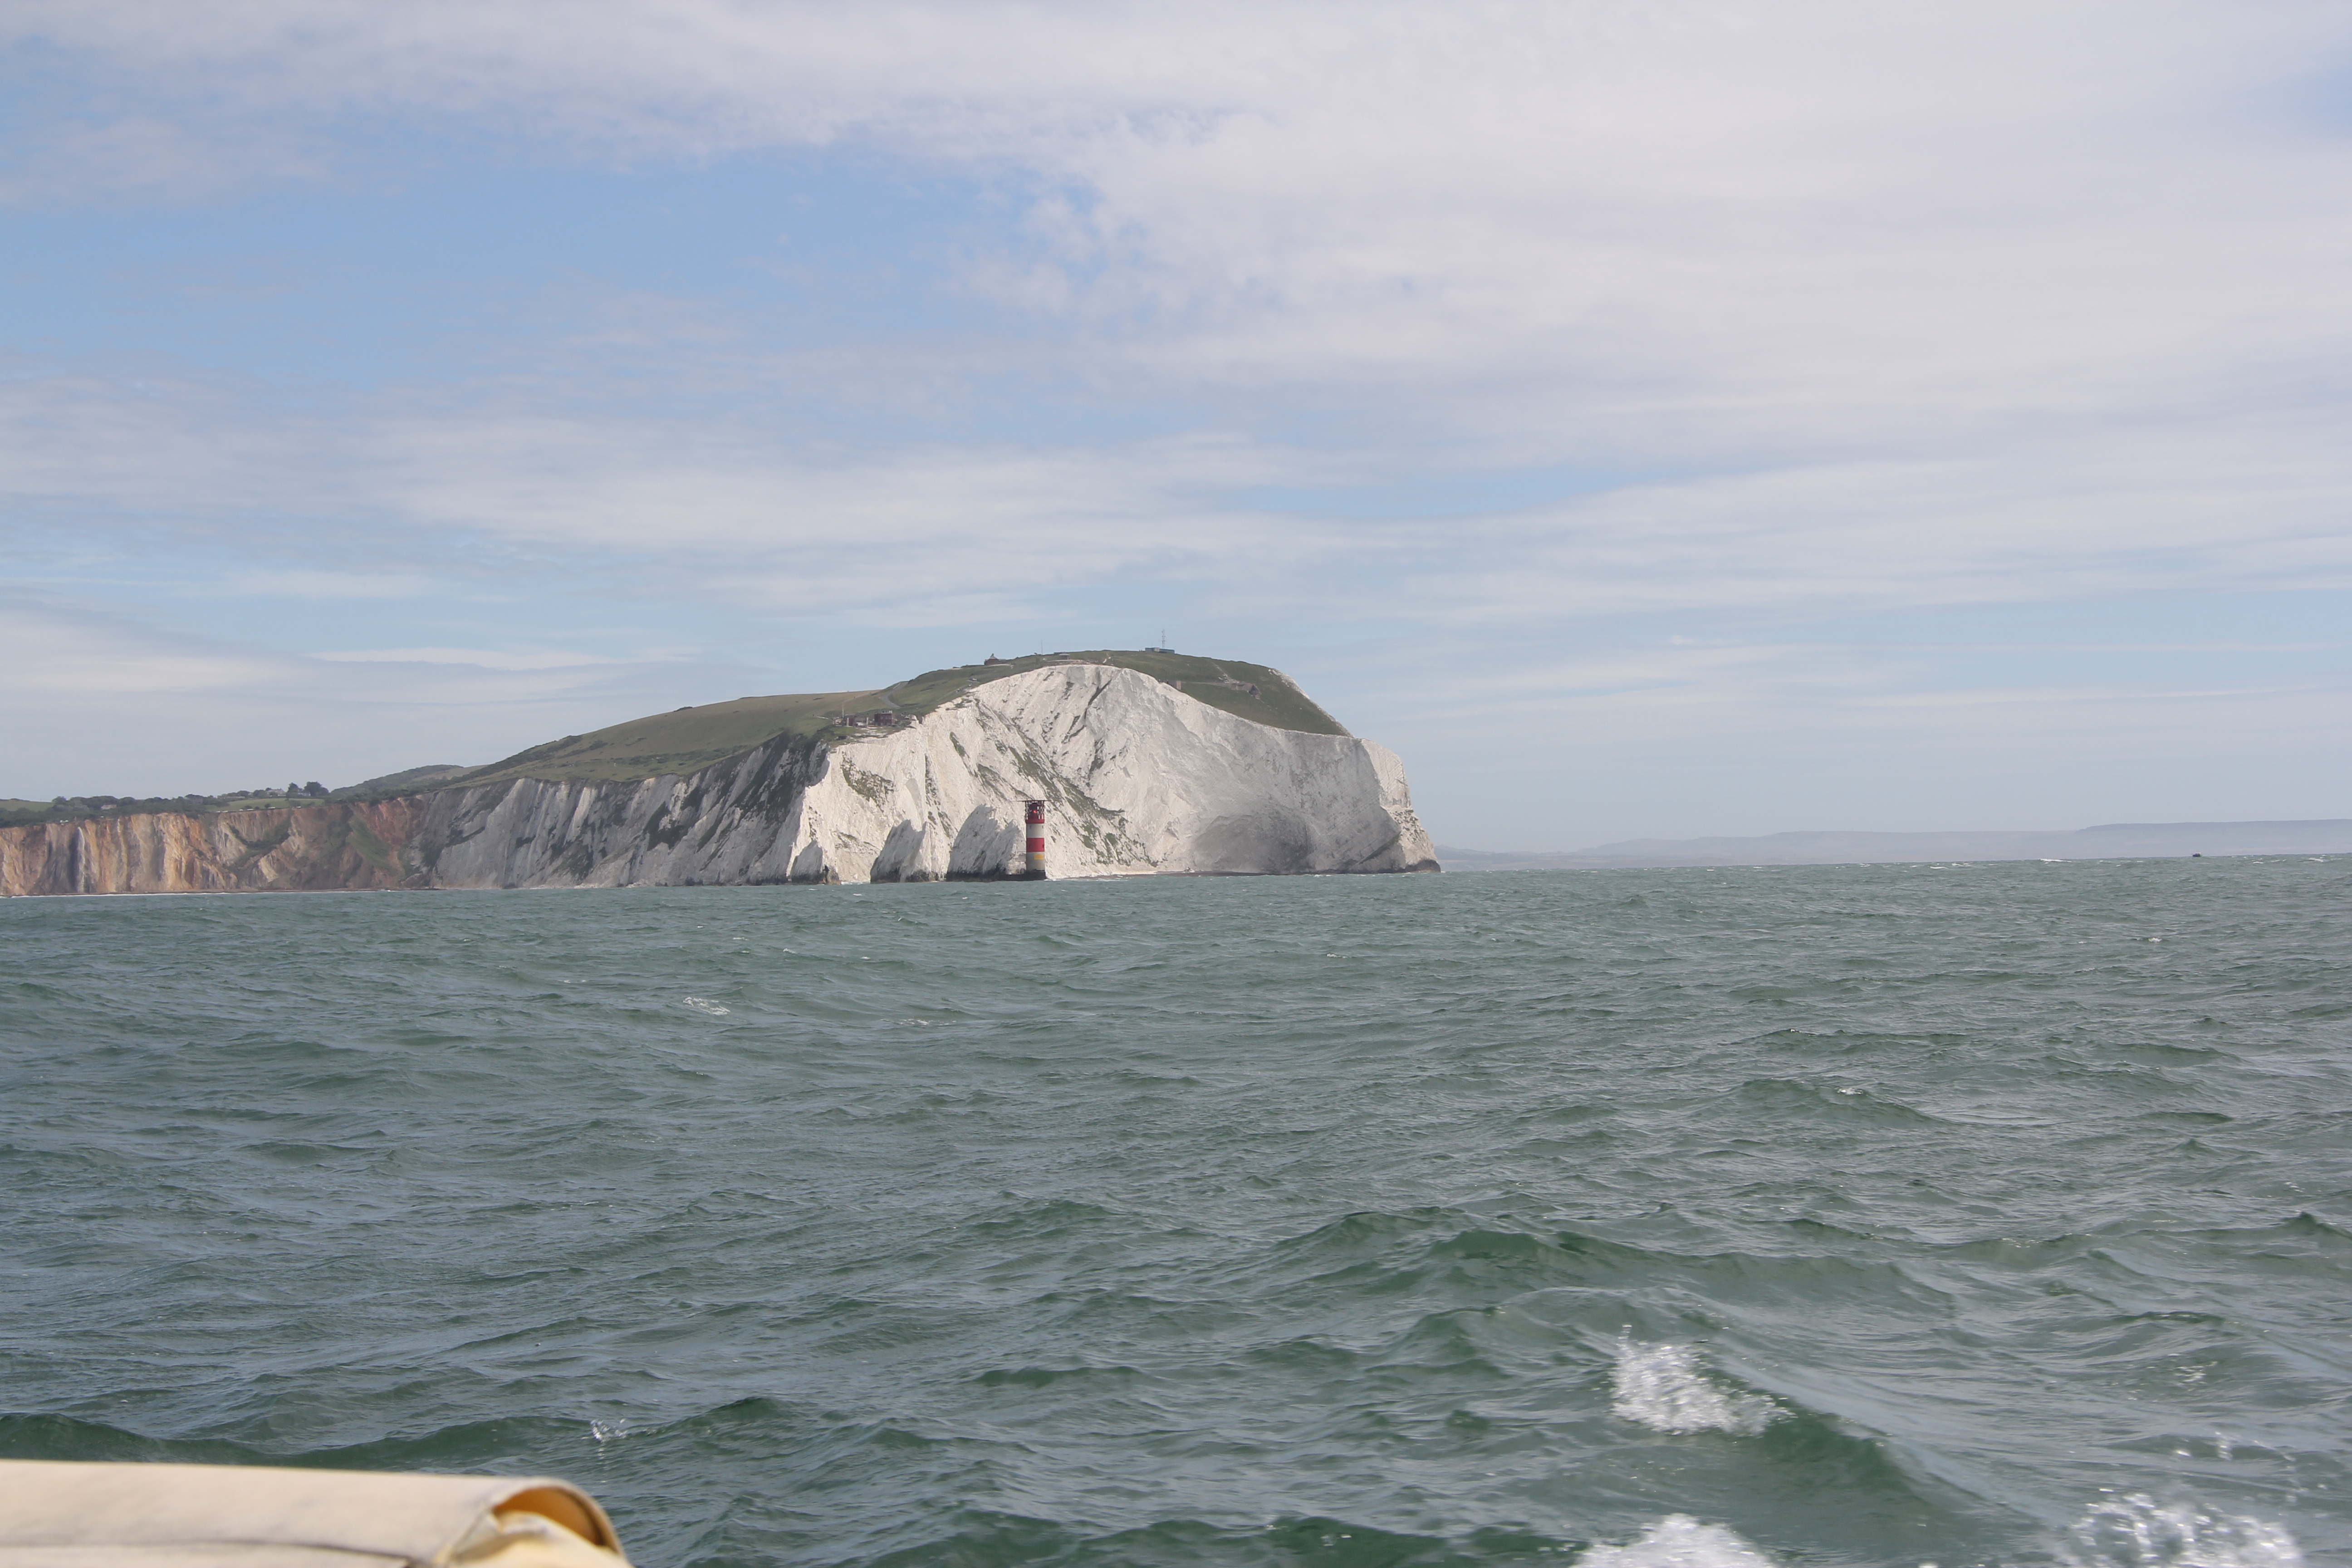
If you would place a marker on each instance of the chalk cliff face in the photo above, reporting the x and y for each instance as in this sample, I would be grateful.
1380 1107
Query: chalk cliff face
1137 779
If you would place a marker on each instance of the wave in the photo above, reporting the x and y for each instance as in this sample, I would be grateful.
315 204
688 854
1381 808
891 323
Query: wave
1665 1388
1458 1258
1618 1275
1047 1377
464 1446
2138 1531
1678 1541
1812 1097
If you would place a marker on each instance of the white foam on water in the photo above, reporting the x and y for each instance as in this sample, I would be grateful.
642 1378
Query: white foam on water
2138 1531
700 1006
1678 1541
1665 1388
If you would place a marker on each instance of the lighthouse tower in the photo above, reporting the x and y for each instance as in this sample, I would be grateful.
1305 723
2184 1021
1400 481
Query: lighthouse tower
1036 871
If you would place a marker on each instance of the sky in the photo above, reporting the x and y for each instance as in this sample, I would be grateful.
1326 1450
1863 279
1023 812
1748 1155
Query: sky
1648 419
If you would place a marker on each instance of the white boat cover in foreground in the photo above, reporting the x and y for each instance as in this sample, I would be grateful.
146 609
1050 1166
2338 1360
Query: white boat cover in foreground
61 1514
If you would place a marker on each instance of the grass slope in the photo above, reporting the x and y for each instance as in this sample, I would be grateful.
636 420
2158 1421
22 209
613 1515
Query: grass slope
407 779
691 738
679 741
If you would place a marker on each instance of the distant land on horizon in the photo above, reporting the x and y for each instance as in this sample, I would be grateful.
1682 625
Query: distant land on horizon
2114 841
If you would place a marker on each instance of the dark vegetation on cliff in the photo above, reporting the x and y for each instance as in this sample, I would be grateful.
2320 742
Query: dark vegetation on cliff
688 738
680 741
15 813
1257 692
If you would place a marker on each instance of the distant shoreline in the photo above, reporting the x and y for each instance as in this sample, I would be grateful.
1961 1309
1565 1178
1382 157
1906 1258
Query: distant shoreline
2114 841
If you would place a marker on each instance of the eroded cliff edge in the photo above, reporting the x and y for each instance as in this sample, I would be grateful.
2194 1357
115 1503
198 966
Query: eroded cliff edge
1138 779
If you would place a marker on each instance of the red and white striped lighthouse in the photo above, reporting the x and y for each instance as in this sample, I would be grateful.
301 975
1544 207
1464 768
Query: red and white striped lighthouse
1037 872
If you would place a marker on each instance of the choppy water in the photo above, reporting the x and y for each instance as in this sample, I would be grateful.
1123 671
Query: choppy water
1975 1214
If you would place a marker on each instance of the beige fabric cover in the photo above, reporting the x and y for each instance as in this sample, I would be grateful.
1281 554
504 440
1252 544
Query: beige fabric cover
58 1514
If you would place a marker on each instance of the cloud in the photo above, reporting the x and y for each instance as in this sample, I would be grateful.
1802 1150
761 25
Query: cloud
310 585
1666 230
1815 309
485 658
2244 506
516 498
145 158
701 509
61 660
1669 222
103 701
1767 736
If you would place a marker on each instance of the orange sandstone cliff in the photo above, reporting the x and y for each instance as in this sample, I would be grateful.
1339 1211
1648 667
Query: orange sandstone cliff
305 848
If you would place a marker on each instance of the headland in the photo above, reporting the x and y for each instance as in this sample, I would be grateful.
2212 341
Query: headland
1149 763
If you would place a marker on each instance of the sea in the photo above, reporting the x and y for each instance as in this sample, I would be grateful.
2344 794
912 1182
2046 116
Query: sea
1952 1214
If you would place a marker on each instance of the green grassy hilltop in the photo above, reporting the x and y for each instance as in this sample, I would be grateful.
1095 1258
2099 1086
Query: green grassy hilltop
679 741
1276 703
691 738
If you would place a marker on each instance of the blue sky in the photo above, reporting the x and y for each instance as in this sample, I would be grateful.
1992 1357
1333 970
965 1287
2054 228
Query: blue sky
1648 419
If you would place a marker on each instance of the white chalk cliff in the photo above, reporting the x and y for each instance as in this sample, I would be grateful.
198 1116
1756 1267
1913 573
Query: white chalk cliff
1137 780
